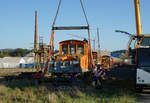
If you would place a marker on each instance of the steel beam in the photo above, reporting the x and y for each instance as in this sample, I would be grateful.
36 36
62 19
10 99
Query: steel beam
71 28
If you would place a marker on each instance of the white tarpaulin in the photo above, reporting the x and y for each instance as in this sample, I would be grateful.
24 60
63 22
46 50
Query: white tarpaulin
28 60
11 62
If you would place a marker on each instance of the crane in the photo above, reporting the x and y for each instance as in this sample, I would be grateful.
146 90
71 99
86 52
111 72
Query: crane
54 28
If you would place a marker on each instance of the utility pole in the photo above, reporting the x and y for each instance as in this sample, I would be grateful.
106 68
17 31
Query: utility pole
35 33
99 51
35 43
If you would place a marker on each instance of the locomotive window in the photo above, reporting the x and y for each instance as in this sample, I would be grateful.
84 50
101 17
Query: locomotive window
72 49
80 49
64 49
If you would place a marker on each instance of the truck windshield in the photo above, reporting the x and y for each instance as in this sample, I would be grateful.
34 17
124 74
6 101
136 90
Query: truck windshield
146 41
144 57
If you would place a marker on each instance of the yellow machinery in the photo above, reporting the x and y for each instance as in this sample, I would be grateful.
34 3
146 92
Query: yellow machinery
106 62
140 39
70 49
72 58
140 55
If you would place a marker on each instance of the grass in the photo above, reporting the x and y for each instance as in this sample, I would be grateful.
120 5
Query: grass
18 91
24 91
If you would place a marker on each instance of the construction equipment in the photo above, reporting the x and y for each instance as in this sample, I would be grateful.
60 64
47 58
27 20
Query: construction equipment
94 52
140 55
106 62
72 58
68 51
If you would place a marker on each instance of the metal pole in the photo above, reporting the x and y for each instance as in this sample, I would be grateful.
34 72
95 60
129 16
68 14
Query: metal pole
35 42
137 17
99 51
35 33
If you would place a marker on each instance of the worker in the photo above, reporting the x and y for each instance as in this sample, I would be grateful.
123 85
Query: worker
38 78
85 40
99 74
95 75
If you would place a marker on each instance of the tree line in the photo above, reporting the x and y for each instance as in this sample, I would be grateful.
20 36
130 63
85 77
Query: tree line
19 52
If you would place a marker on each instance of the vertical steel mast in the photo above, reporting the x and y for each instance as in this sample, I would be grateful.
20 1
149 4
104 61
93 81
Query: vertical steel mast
35 42
35 33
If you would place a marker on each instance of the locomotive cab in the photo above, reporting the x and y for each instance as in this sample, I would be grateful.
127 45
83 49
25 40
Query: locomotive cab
72 49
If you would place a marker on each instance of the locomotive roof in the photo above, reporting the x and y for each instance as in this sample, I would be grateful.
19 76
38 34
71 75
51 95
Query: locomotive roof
72 40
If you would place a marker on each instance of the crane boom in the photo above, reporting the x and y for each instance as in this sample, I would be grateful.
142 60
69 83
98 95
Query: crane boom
137 17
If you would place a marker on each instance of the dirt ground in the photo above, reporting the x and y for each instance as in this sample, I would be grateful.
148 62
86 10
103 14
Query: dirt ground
8 72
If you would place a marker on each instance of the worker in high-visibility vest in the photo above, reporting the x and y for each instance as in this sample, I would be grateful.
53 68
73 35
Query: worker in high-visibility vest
99 74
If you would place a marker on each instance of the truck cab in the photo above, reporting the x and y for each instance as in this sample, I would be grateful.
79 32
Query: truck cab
140 56
143 66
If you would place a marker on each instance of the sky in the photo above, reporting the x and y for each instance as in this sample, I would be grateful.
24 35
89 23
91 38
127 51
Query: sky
17 20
